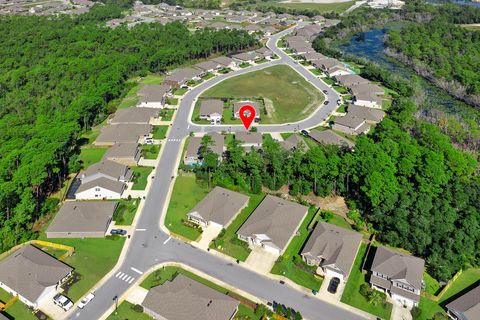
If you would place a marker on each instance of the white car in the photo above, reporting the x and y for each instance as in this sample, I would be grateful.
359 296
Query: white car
86 300
63 302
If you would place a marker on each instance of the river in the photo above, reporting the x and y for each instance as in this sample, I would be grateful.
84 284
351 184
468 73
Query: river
370 45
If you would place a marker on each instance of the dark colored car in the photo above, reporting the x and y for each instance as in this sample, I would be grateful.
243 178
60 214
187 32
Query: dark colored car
333 285
282 282
326 102
120 232
325 91
304 132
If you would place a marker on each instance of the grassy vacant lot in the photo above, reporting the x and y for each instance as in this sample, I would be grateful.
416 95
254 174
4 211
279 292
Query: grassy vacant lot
228 242
288 96
150 151
159 132
130 98
18 310
140 177
186 194
352 295
125 212
125 311
290 264
320 7
89 156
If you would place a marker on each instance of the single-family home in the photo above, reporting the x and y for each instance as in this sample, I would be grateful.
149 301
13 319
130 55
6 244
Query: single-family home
33 275
370 115
328 137
238 105
330 23
208 66
312 56
211 110
218 208
273 224
101 188
122 133
366 88
269 30
331 67
252 28
367 95
351 125
124 153
180 77
82 219
337 70
249 139
106 169
295 39
264 52
397 274
466 307
349 80
184 298
246 57
153 95
332 249
135 116
225 62
294 142
192 154
309 31
219 26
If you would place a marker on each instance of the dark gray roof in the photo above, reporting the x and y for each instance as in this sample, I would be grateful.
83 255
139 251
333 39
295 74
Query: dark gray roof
184 298
336 246
330 137
135 115
366 88
254 104
83 216
276 218
220 205
123 133
207 65
312 56
399 266
245 56
468 304
109 184
153 92
210 106
183 74
29 271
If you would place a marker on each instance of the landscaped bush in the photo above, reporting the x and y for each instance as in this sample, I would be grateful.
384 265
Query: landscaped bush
137 308
416 312
364 289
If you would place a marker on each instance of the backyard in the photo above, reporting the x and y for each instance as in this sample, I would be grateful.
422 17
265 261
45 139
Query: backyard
140 177
89 156
18 310
125 211
288 97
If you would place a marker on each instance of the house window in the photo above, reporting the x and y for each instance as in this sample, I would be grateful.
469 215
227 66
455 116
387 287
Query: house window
97 189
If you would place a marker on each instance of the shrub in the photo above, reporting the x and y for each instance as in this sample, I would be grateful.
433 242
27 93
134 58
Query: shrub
364 289
416 312
137 308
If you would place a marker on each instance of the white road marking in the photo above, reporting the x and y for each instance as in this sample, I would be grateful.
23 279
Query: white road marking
131 280
119 274
188 127
140 229
165 242
128 278
136 270
124 277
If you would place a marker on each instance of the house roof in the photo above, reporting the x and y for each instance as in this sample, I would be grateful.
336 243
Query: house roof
206 65
153 92
276 218
302 47
211 106
311 56
220 205
107 167
249 137
183 74
83 216
224 61
369 114
184 298
349 121
335 245
399 266
29 271
135 115
328 63
293 142
195 142
123 133
350 79
122 150
245 56
366 88
330 137
468 304
109 184
264 51
368 96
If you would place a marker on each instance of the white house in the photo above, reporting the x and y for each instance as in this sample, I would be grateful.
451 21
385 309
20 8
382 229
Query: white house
101 188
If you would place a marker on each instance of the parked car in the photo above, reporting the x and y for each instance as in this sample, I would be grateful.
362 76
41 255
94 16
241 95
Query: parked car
62 301
86 300
120 232
333 285
304 132
326 102
325 91
282 282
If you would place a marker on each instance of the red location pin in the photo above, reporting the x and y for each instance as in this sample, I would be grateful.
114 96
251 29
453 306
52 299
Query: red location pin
247 115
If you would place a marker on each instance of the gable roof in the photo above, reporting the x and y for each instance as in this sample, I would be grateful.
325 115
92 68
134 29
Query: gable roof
330 137
123 133
29 271
207 65
335 245
122 150
107 167
153 92
183 74
293 142
350 79
195 143
220 205
210 106
224 61
134 115
369 114
105 183
184 298
249 137
276 218
349 121
254 104
468 304
366 88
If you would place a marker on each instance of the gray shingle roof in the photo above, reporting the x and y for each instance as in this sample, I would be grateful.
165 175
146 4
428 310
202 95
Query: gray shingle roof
153 92
29 271
254 104
122 150
349 121
293 142
115 186
207 65
330 137
183 74
83 216
467 304
366 88
369 114
249 137
225 61
208 107
195 142
123 133
135 115
184 298
220 205
109 168
275 217
350 80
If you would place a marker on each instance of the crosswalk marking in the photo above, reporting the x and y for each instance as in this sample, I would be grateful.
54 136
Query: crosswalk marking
174 140
131 280
124 277
119 273
136 270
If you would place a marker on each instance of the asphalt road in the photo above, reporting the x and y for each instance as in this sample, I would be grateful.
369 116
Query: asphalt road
150 245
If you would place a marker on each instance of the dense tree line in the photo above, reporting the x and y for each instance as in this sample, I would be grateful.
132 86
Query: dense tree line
203 4
58 77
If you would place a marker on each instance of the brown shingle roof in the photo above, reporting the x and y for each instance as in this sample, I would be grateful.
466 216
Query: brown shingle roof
330 137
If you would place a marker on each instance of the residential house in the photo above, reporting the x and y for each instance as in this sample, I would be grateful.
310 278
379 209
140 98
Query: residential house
466 307
398 274
249 139
269 30
82 219
294 142
273 224
252 28
106 169
264 52
225 62
349 80
332 249
122 133
180 77
101 188
183 298
218 208
301 47
312 56
208 66
153 95
255 105
246 57
351 125
309 32
331 67
318 19
328 137
192 155
367 95
211 110
124 153
370 115
135 116
33 275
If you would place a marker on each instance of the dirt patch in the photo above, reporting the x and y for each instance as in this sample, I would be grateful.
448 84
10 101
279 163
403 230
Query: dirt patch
269 108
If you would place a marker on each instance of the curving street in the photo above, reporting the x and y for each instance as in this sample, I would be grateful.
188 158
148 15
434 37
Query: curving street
151 245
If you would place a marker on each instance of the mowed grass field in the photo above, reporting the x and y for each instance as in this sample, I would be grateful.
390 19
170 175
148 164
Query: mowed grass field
338 7
288 96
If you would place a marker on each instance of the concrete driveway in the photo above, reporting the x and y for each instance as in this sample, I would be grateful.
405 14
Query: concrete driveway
399 312
260 260
209 233
325 295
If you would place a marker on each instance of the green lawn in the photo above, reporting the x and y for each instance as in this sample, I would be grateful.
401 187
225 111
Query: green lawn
290 264
180 91
186 194
431 285
167 114
208 76
228 117
125 311
464 281
89 156
342 108
170 101
245 313
150 151
244 65
316 71
140 177
196 114
429 309
159 132
125 212
288 96
340 89
351 294
340 221
18 310
321 7
227 242
328 81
